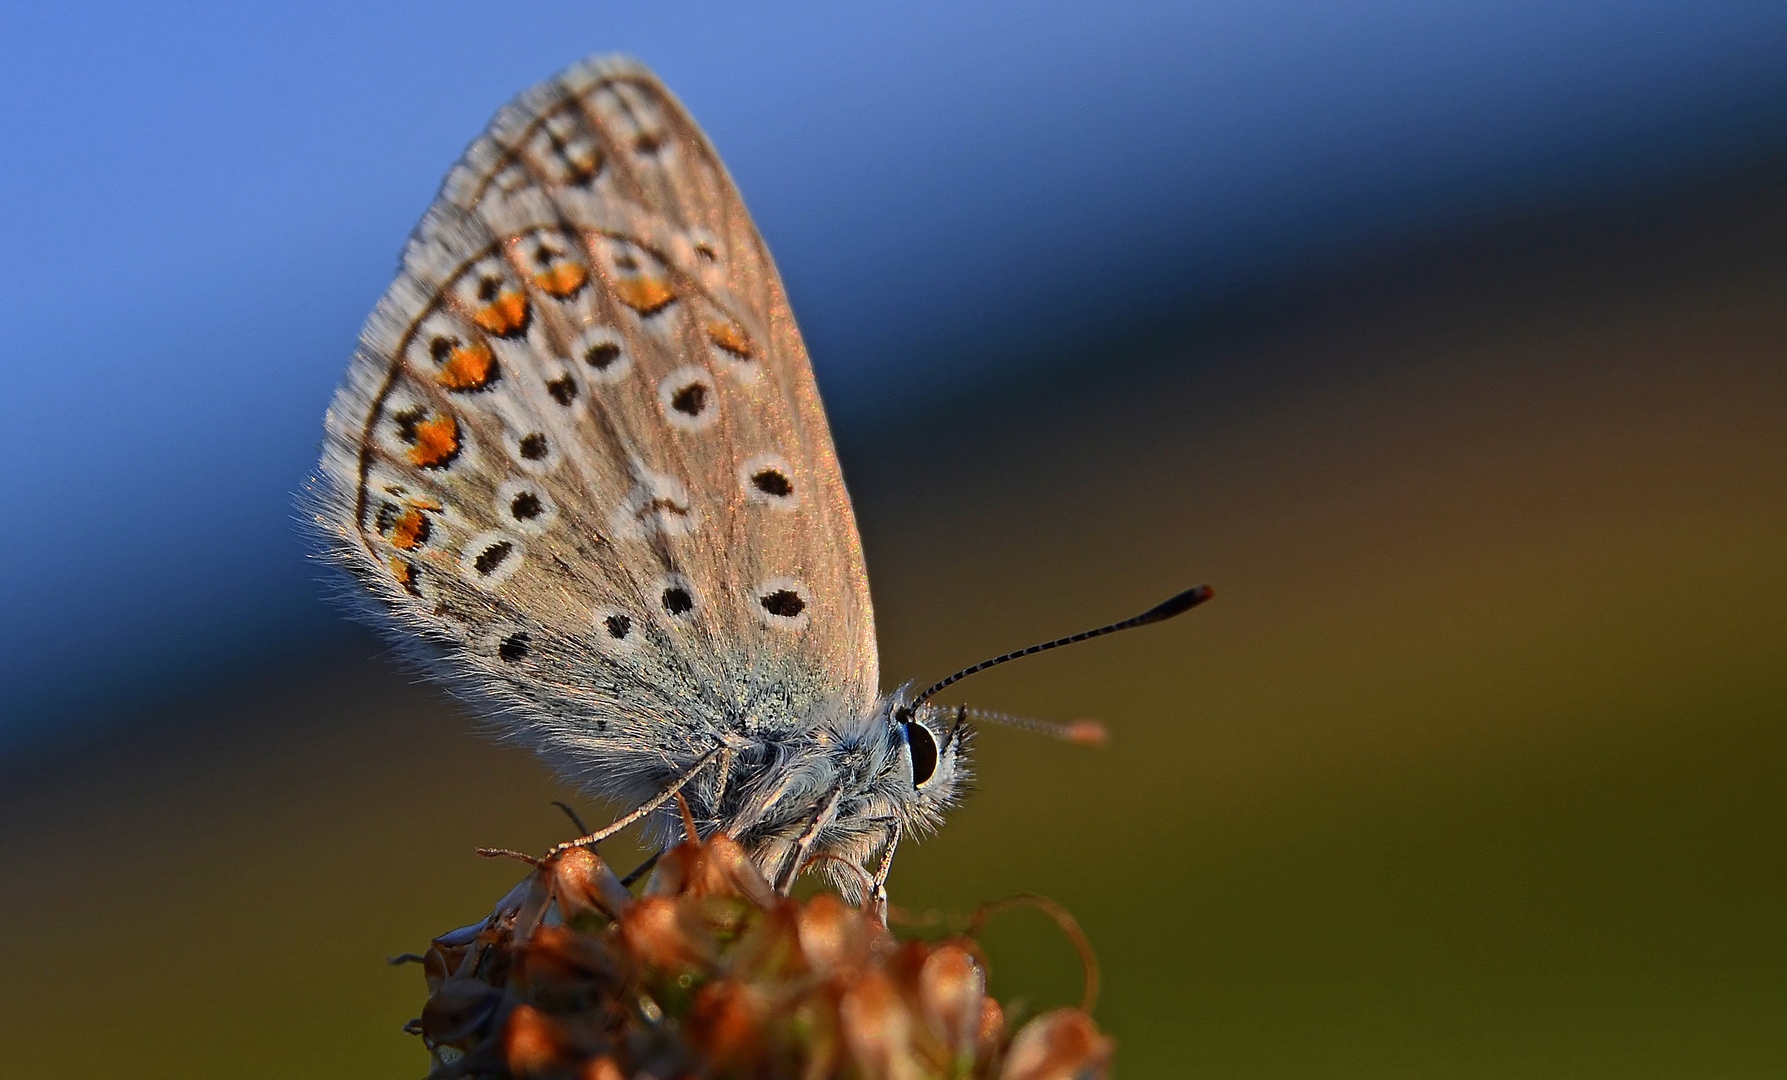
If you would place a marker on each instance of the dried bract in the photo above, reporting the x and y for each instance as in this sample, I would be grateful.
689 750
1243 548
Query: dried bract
710 973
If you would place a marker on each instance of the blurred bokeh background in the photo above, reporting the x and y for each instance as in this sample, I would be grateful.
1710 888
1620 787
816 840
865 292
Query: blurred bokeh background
1445 340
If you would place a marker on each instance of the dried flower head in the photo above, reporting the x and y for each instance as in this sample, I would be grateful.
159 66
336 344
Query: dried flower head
711 973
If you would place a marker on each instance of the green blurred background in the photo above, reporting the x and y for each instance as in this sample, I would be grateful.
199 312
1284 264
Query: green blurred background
1474 767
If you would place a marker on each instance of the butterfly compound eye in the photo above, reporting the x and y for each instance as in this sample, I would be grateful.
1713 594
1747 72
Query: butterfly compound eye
924 752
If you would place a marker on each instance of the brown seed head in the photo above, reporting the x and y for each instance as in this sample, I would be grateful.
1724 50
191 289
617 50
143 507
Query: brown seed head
711 973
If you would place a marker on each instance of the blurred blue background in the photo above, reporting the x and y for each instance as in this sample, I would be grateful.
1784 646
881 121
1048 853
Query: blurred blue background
204 200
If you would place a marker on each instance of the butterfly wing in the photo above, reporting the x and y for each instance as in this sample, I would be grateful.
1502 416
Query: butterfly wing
579 461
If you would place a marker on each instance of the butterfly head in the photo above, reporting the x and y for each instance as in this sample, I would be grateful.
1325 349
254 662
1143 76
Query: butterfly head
932 763
845 797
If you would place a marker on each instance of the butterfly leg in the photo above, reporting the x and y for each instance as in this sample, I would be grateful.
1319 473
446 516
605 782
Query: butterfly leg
725 773
727 753
641 870
878 896
647 807
808 838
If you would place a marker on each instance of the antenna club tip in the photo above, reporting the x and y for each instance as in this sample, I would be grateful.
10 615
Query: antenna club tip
1178 605
1087 733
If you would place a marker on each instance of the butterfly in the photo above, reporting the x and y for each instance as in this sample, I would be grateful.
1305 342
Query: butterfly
580 468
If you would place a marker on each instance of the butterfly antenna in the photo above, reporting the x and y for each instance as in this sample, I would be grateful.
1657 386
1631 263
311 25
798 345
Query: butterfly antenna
582 829
1160 612
1084 732
641 870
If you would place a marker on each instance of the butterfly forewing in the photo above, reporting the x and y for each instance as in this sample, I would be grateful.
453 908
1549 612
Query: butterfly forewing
581 449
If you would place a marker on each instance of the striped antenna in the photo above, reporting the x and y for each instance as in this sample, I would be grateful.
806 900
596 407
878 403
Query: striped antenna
1160 612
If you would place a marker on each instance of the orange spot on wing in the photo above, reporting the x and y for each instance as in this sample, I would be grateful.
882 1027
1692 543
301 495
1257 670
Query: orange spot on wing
405 573
437 441
730 336
562 279
646 295
409 530
470 367
504 316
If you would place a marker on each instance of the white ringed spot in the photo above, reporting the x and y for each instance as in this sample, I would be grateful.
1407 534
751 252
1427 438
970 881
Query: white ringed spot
508 642
675 596
769 479
489 558
689 398
617 632
534 450
602 354
524 505
783 603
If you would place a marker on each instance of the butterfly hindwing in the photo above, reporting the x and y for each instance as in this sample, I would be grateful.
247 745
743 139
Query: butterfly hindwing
581 450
